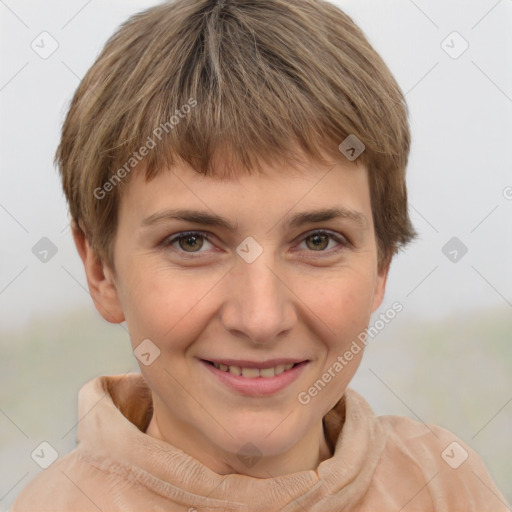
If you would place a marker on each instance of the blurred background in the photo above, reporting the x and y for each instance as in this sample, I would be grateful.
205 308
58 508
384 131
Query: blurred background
445 359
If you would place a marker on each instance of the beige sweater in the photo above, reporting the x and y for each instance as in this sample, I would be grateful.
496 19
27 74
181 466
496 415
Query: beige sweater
380 464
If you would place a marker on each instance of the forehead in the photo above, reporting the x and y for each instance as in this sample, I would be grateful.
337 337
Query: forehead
274 190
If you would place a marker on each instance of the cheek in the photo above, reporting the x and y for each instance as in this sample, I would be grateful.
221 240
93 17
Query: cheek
162 303
342 302
341 310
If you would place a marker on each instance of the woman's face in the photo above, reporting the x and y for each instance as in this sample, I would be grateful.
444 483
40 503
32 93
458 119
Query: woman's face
271 270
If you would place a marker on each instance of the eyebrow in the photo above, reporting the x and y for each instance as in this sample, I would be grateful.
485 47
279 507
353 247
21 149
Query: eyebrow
296 220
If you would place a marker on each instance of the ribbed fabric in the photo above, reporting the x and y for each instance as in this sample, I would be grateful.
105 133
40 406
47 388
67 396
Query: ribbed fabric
380 464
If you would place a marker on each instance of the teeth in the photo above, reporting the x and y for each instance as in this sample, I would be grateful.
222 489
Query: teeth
252 373
235 370
266 372
279 369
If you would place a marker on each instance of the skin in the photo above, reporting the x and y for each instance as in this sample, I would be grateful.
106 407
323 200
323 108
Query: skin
300 298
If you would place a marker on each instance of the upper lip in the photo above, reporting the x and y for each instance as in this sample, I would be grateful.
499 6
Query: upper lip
245 363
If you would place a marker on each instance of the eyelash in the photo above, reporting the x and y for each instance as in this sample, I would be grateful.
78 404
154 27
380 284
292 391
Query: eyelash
341 240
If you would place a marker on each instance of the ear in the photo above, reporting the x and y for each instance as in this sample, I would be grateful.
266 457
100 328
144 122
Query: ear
99 278
380 284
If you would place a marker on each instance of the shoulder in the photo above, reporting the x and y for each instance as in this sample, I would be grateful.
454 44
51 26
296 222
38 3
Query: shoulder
60 487
450 470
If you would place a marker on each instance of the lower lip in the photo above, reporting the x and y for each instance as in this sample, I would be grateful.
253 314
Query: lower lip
258 386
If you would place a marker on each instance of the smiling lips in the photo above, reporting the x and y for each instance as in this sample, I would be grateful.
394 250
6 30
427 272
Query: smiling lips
253 378
254 369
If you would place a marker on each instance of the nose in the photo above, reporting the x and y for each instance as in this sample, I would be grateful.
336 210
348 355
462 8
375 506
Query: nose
259 304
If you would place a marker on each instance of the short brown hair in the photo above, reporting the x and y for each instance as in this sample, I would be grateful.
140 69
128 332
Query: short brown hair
267 77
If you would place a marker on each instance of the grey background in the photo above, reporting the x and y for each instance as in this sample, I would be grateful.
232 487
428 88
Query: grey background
445 359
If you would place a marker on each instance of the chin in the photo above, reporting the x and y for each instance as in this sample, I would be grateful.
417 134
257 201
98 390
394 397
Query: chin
252 439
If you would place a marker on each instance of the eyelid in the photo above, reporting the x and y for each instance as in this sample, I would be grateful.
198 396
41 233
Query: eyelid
340 239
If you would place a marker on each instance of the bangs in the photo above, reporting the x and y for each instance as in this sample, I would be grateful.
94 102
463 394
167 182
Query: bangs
238 91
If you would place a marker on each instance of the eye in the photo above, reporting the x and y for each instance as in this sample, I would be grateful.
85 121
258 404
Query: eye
191 242
319 241
188 242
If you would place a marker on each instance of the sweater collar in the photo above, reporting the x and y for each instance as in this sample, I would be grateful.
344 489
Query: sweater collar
115 411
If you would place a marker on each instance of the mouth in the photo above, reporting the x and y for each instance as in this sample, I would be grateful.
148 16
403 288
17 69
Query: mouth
254 369
257 380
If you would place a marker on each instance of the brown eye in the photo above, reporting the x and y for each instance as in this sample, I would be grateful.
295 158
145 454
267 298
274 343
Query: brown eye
319 241
188 243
